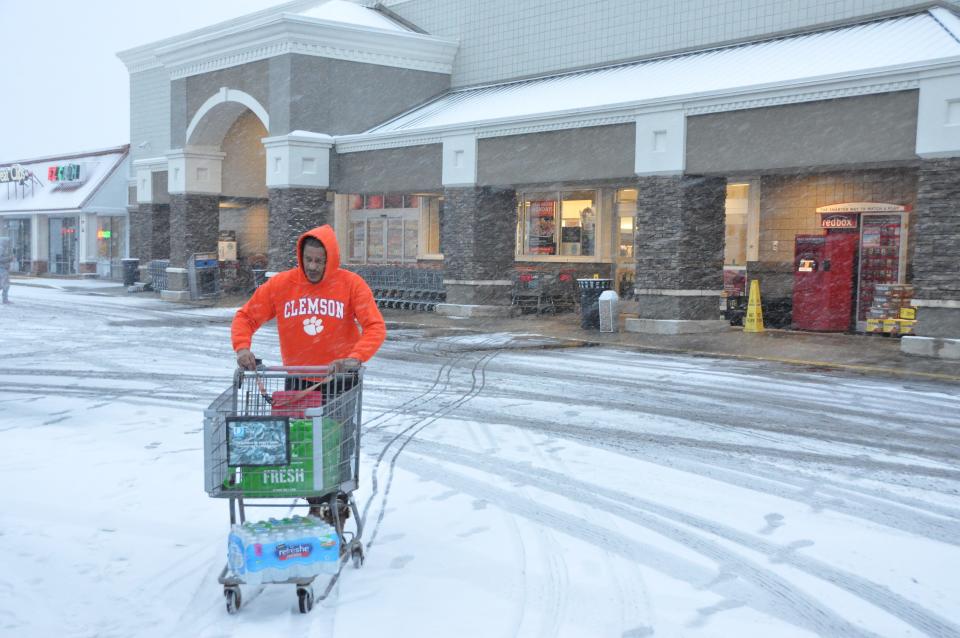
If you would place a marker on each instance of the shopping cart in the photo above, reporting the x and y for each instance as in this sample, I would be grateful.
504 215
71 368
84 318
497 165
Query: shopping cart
287 432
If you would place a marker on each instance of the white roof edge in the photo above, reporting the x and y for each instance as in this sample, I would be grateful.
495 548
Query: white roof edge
146 51
883 80
948 20
123 148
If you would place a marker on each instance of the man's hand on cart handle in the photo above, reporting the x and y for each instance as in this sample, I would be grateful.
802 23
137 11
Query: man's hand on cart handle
246 360
345 365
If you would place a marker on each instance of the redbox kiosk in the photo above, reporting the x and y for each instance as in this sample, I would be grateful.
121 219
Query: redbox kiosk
835 273
823 268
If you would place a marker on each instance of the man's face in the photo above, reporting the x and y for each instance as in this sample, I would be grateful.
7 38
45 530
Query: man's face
314 262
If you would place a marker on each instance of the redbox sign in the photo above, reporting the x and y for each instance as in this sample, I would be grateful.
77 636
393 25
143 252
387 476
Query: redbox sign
839 220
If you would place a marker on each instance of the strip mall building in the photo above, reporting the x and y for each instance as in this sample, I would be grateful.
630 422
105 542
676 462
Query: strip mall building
657 145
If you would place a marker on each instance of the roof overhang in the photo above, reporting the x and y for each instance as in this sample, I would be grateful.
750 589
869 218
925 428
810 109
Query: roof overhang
278 34
898 74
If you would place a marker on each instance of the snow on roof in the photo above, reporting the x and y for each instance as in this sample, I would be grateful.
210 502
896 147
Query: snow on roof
857 50
40 194
352 14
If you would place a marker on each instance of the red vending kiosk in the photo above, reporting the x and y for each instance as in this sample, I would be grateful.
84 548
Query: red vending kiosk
823 279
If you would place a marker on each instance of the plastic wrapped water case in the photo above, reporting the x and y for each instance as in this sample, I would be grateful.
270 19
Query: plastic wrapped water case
314 468
275 551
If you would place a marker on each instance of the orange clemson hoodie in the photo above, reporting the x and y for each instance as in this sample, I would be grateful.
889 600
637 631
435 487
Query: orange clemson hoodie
317 322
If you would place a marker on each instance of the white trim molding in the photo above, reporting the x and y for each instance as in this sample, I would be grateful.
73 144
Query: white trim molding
459 160
938 117
195 170
143 176
660 143
299 159
224 96
291 33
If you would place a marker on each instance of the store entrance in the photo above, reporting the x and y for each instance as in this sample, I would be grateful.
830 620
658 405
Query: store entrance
63 246
111 246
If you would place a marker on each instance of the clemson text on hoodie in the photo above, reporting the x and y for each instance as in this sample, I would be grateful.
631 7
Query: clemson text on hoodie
313 306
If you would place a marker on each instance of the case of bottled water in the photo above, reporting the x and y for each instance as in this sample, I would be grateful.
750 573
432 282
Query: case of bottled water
279 550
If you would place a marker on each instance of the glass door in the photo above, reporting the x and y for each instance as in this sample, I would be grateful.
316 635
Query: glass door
63 246
882 255
111 244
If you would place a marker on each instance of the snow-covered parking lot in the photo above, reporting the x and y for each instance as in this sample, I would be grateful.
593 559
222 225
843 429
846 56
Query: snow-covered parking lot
510 487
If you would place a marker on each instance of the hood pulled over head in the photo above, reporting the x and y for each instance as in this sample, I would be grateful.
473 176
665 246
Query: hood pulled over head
328 238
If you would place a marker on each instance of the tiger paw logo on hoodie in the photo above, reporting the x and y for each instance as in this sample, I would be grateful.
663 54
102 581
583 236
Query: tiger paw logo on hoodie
313 326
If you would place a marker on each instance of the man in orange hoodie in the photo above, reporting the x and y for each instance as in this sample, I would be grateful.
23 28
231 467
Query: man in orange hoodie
317 306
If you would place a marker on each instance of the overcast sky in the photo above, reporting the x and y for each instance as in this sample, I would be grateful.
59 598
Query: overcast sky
63 89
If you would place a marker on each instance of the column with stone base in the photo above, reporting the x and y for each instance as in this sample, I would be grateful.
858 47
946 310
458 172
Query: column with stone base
478 244
298 183
680 230
150 219
936 261
194 185
195 225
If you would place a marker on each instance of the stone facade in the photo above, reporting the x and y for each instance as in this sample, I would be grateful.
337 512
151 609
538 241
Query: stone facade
194 224
293 211
478 242
936 268
680 230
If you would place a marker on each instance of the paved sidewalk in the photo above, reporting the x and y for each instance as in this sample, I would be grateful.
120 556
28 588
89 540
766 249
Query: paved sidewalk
864 354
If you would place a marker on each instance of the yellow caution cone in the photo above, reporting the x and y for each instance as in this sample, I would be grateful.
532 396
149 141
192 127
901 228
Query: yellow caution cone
754 319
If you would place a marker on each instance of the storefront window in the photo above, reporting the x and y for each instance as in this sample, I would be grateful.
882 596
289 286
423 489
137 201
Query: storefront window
111 246
392 228
18 230
562 223
735 235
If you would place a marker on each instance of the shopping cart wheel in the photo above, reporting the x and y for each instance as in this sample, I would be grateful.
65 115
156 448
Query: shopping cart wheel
357 555
305 598
232 594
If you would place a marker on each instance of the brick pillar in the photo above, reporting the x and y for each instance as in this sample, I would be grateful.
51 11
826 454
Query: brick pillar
194 228
141 232
936 260
680 229
150 232
478 239
294 211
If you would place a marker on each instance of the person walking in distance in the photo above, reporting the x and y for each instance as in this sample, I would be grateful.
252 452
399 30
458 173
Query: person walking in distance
6 258
326 316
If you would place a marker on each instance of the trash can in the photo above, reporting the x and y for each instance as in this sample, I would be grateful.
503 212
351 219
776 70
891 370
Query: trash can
590 290
130 271
609 311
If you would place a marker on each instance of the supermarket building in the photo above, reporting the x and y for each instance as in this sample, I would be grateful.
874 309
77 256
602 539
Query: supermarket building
667 149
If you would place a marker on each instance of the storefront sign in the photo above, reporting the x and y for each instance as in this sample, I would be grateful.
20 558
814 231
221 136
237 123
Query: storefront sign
15 173
839 220
863 207
104 234
64 173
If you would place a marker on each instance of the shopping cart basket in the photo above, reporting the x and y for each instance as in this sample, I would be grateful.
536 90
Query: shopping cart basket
282 433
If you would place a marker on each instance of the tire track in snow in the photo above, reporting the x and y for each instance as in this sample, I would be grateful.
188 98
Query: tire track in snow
766 591
649 514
